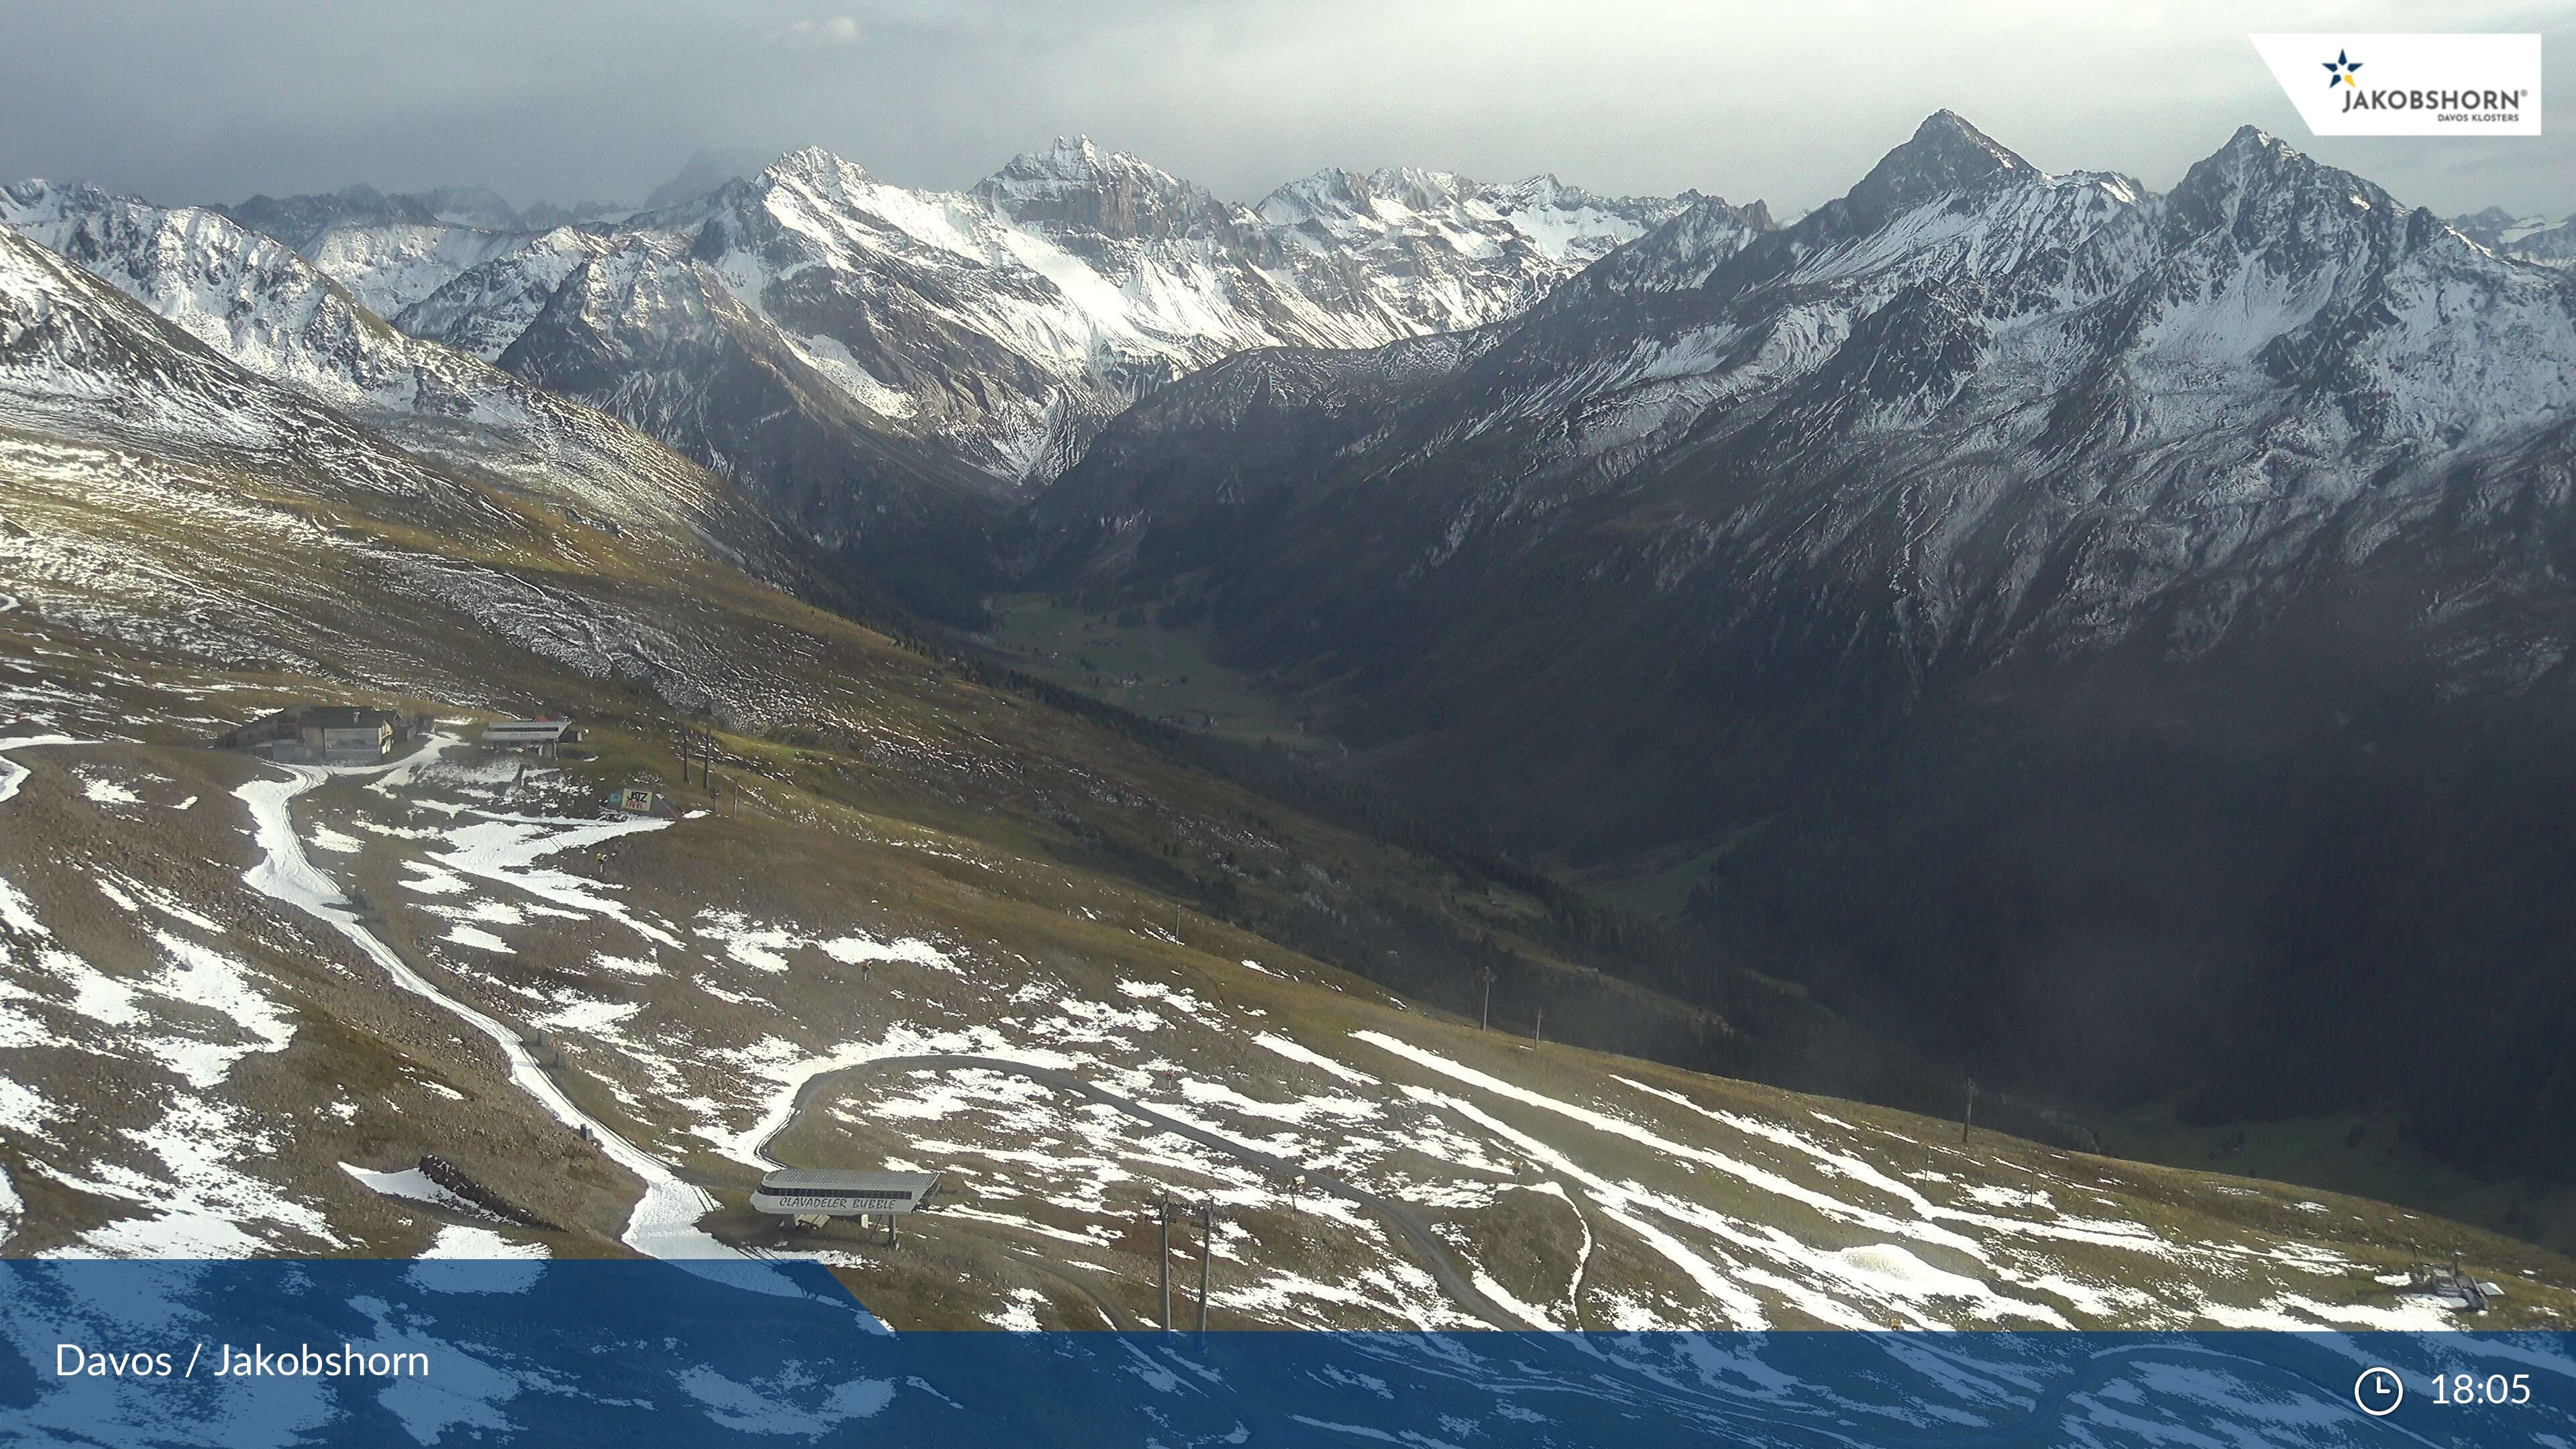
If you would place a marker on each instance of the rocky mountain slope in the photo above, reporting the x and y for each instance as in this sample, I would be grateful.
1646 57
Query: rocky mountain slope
264 307
392 250
2048 566
2261 336
917 919
883 366
2526 238
1009 319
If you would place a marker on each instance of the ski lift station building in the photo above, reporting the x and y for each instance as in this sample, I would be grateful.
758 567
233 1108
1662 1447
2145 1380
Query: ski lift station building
320 734
810 1192
544 738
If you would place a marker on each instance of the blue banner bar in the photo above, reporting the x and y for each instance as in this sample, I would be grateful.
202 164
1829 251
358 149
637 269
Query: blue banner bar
337 1352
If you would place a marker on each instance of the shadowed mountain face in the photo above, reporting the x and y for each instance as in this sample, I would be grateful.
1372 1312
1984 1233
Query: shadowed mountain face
2120 635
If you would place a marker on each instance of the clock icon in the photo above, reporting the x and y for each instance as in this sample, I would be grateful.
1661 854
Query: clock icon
2379 1391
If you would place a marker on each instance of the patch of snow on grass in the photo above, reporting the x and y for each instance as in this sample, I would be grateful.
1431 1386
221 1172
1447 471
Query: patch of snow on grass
202 1205
589 1016
854 950
434 882
1535 1317
506 849
12 774
207 978
1020 1313
1273 1042
458 1240
98 789
413 1185
762 948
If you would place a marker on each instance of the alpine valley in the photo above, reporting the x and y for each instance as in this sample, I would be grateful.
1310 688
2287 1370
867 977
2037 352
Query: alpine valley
1672 662
2121 635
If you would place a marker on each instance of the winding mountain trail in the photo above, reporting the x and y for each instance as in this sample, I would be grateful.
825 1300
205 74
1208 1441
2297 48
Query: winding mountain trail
1397 1214
664 1222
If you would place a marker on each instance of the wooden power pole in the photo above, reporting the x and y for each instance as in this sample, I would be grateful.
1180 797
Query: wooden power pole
1163 1211
1969 1116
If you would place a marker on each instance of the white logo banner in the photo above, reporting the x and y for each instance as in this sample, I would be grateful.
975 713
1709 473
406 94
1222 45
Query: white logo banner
2409 85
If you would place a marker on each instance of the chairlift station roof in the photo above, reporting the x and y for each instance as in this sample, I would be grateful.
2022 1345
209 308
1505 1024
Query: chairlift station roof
827 1192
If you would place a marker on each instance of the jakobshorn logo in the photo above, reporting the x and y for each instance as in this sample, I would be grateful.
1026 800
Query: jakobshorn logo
2416 85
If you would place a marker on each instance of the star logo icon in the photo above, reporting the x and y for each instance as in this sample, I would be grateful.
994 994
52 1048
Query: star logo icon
2339 72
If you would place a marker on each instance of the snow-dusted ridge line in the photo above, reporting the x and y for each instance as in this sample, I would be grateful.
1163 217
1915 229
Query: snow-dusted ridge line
1050 294
664 1221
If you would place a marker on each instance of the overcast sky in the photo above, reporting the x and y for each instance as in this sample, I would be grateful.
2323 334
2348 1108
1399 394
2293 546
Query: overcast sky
573 99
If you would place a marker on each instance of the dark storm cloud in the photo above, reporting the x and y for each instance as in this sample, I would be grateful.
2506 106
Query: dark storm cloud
567 101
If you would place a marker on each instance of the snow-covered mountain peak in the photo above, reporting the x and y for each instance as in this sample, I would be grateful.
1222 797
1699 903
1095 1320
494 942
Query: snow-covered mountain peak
1329 192
2253 140
1075 184
1945 154
214 278
2273 195
1420 189
1566 226
1942 159
1683 252
36 201
1071 158
812 166
1948 139
1949 133
1335 196
27 192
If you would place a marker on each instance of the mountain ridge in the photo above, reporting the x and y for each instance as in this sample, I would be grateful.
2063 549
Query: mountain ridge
1979 506
262 306
886 367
